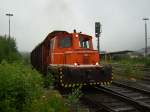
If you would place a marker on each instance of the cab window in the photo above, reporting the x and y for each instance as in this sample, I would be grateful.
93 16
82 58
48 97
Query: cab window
84 42
65 42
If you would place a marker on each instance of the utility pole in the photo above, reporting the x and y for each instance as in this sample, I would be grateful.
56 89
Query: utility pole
97 34
9 15
145 19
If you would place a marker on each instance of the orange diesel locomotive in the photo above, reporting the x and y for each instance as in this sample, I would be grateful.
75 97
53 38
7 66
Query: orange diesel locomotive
71 59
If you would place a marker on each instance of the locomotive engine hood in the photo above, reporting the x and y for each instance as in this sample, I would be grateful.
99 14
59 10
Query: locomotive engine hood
81 57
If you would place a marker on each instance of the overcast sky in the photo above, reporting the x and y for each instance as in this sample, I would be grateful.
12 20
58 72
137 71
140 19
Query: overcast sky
122 25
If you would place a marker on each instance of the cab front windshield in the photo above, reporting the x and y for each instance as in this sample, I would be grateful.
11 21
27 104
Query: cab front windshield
65 42
84 42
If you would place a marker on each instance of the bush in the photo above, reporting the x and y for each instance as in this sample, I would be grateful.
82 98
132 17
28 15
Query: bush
19 86
48 80
8 49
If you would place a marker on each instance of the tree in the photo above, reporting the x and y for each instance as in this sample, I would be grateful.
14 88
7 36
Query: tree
8 49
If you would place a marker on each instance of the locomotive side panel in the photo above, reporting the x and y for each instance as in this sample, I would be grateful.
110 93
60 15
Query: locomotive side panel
37 58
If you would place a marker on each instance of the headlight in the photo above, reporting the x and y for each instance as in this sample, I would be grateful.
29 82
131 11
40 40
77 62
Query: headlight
97 63
77 35
75 64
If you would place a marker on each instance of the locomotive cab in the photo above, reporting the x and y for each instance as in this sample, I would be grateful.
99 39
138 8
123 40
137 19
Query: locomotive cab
73 49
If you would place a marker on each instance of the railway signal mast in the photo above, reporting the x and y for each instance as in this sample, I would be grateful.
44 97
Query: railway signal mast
97 34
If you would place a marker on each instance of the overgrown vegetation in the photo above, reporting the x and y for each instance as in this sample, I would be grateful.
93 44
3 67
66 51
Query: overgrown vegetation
51 101
19 85
8 49
127 71
73 98
48 80
129 67
125 59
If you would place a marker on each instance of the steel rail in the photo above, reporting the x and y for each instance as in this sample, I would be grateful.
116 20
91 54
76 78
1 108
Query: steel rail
107 101
138 104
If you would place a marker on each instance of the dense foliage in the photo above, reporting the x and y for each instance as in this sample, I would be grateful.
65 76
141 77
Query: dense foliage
19 85
21 90
8 49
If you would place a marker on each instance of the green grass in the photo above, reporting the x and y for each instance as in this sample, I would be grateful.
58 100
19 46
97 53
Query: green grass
126 67
127 71
141 61
50 101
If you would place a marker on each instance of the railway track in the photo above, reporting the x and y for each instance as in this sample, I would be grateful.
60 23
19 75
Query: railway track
146 78
146 75
105 102
140 97
119 98
135 93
